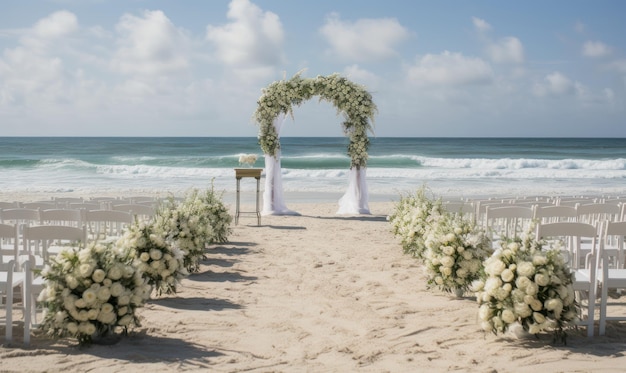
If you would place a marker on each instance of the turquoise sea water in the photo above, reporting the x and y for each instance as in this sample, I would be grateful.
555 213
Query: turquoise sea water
449 166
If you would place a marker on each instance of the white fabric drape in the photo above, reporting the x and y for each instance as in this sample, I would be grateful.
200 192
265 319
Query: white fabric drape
355 200
273 201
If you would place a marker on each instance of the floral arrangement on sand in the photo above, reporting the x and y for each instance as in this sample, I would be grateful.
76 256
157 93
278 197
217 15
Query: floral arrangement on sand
161 264
350 99
451 246
412 216
92 292
455 250
192 224
247 159
528 285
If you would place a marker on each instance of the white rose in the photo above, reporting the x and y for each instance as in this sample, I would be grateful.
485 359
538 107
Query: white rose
525 269
98 275
89 296
484 312
104 294
508 316
447 261
507 275
541 279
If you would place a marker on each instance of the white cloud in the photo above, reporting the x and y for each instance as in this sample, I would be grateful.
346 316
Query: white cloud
506 50
596 49
56 25
365 39
450 69
149 44
362 76
253 40
480 24
555 84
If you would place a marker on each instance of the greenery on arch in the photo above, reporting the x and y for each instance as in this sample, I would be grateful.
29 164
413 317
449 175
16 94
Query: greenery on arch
350 99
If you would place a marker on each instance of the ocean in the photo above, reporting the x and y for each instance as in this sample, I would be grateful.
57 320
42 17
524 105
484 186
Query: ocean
463 167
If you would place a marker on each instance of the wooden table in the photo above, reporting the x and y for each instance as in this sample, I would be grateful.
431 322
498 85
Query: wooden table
248 172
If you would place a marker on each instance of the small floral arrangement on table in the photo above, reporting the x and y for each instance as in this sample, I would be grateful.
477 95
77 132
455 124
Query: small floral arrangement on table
91 292
162 265
247 159
526 285
455 250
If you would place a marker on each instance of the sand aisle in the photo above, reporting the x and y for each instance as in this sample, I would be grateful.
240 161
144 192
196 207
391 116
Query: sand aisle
315 293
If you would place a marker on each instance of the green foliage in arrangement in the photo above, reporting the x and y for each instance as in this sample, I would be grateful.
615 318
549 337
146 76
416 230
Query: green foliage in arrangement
350 99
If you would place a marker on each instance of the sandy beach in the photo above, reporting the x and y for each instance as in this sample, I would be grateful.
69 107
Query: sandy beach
319 292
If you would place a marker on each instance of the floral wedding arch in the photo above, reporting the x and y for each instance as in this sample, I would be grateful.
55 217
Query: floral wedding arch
358 110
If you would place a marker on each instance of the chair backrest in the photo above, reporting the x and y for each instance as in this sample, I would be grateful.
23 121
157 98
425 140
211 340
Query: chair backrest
9 241
9 205
553 214
38 239
84 205
137 210
69 217
615 235
460 207
107 222
594 213
570 235
39 205
508 220
20 216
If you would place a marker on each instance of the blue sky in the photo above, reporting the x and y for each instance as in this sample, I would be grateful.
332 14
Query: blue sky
196 67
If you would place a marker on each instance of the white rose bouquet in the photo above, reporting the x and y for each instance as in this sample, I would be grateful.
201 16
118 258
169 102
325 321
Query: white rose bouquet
162 265
248 159
412 216
526 285
455 250
91 292
192 224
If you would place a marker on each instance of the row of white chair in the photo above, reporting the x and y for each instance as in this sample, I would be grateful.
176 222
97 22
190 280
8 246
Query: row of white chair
17 276
78 202
599 270
99 224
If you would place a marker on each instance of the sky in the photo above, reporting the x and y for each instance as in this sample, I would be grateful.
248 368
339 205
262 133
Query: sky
481 68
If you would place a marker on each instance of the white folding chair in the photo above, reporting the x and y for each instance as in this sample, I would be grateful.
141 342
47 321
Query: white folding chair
20 215
465 208
594 213
68 217
44 205
9 242
553 214
610 278
10 280
106 223
140 212
507 221
569 234
46 240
